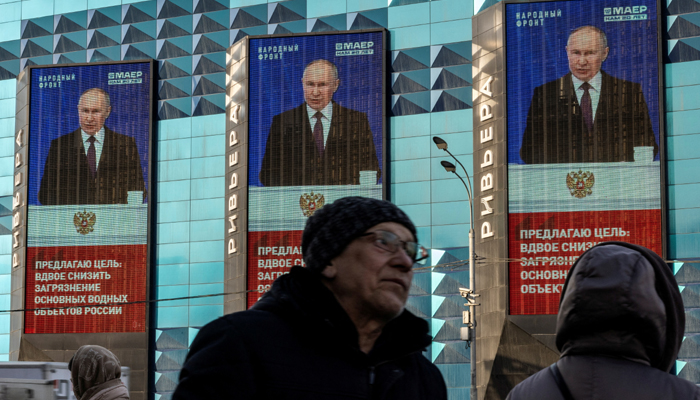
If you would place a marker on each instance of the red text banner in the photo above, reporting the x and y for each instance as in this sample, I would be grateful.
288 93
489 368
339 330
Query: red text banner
271 254
79 289
548 243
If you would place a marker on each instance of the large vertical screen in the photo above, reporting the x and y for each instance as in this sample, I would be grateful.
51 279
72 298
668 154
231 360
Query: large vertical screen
583 138
89 138
316 127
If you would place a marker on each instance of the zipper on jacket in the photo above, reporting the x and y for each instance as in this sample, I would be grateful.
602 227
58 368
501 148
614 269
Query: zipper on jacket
371 375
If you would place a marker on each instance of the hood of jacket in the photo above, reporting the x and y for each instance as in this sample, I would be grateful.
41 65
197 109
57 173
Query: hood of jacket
306 303
621 300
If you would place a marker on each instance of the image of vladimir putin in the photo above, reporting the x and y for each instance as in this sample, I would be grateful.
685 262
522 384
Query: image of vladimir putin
93 164
319 142
586 115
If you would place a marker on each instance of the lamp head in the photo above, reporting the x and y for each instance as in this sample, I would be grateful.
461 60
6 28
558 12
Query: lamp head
441 144
449 167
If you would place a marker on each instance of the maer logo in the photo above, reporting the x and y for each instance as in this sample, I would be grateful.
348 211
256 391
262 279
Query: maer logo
124 78
634 13
354 48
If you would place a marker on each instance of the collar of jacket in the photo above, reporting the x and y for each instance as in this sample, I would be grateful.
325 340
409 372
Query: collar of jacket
306 303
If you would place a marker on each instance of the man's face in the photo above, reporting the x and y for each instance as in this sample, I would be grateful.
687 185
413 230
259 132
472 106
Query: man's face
93 111
319 85
586 53
370 281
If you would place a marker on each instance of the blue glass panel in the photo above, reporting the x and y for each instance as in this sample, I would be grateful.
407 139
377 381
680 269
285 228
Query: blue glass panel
454 212
245 3
7 108
169 129
8 88
682 147
450 235
362 5
175 274
6 185
413 14
450 189
4 322
5 303
451 121
208 187
410 193
176 232
448 10
4 344
684 246
322 8
451 32
10 12
206 230
683 122
198 290
208 167
172 317
424 236
684 221
173 191
209 125
438 172
683 196
172 292
7 165
63 7
173 211
7 125
173 170
409 125
7 147
206 272
201 315
36 8
11 31
209 146
413 36
174 149
5 244
410 148
683 171
410 171
178 253
5 263
207 251
5 283
208 209
419 214
682 74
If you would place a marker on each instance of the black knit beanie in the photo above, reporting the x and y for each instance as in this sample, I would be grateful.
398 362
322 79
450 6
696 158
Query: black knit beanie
332 227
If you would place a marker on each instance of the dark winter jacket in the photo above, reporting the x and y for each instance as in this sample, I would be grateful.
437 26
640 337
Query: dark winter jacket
619 329
298 343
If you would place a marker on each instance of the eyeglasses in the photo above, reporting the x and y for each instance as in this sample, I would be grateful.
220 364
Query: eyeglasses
390 242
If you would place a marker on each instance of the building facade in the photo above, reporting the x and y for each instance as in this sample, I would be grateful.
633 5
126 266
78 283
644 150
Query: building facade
430 94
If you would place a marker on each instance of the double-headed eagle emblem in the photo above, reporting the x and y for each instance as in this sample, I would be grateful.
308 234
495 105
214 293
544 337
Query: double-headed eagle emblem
84 222
309 203
580 183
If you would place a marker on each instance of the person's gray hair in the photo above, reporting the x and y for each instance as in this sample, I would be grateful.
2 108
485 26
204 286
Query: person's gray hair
334 68
104 94
603 37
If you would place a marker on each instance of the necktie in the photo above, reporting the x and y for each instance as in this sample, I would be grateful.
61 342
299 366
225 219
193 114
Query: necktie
318 132
586 108
92 160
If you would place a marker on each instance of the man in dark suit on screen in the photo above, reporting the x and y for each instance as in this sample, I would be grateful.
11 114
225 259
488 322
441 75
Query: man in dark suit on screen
586 115
319 142
93 164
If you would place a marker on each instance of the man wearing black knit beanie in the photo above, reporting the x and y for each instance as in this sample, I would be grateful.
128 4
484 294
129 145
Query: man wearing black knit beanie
336 329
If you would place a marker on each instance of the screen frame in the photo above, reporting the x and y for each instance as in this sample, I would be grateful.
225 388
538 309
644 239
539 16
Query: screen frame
663 192
151 190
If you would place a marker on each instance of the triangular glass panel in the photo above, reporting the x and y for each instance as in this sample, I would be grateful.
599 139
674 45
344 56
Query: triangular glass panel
134 35
283 14
205 86
208 6
100 40
169 71
32 30
132 53
207 45
134 15
207 66
65 25
168 111
448 80
362 22
33 50
406 85
245 20
404 62
406 107
171 10
100 20
168 91
448 57
66 45
207 25
170 50
205 107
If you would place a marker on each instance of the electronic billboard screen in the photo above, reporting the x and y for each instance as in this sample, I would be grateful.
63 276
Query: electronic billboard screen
583 138
88 184
315 134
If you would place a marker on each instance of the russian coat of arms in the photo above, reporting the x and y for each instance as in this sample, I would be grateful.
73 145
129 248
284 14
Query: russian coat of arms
580 183
309 203
84 222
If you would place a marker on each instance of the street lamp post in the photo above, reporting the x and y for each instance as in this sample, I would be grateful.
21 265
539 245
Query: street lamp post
469 317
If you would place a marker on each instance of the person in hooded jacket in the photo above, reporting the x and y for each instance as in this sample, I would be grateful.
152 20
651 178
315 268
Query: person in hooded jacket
336 329
619 329
95 373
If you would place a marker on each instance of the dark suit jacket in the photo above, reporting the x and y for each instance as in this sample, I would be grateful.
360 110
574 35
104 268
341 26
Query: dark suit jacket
556 133
67 178
292 159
